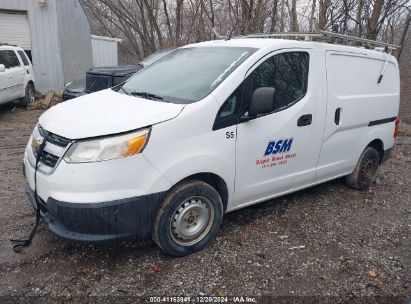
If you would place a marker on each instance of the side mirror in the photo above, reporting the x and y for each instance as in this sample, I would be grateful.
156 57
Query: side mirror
262 101
2 68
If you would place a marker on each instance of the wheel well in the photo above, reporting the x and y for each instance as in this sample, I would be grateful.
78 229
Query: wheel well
32 83
215 181
379 146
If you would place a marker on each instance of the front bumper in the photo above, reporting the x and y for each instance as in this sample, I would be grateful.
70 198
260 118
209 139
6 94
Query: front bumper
112 221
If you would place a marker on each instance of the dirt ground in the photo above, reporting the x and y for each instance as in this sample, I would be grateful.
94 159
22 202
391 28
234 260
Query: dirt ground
328 242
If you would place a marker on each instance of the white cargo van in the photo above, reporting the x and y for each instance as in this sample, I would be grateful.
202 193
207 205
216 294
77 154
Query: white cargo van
207 129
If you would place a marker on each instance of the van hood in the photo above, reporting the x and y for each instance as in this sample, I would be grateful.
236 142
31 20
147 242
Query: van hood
105 112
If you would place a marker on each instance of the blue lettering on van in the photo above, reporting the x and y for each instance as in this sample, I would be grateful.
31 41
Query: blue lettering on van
279 146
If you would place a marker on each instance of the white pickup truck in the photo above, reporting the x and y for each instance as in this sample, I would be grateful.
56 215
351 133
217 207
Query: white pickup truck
207 129
16 75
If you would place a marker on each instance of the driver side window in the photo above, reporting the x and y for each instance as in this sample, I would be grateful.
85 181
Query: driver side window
287 73
229 111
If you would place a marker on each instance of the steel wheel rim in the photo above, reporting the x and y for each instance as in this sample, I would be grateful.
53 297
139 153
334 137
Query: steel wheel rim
370 169
192 221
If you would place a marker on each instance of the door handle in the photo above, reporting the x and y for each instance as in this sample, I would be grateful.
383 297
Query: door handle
9 76
305 120
337 116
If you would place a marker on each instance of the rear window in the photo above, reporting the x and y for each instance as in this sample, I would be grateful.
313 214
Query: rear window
10 59
24 58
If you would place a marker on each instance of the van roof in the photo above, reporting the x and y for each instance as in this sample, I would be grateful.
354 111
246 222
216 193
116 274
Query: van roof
261 43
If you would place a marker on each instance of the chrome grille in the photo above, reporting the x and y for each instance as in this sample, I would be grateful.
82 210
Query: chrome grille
53 151
54 139
49 159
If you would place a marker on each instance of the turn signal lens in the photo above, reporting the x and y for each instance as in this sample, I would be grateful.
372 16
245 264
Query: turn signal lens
134 145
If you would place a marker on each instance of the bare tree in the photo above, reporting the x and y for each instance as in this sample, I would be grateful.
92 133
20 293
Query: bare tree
146 25
179 8
293 19
405 31
372 24
322 18
312 15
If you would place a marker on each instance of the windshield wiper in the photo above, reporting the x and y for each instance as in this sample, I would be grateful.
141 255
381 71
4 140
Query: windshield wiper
118 88
121 88
146 95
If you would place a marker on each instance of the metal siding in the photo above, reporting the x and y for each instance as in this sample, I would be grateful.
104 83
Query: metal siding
75 42
104 52
60 41
45 46
15 30
20 5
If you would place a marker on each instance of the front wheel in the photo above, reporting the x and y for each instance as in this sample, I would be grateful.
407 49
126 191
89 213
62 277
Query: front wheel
366 170
189 218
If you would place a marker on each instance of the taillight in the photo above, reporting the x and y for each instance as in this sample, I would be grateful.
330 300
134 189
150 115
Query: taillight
397 123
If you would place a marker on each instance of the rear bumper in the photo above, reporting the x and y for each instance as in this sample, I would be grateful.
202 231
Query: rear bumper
105 222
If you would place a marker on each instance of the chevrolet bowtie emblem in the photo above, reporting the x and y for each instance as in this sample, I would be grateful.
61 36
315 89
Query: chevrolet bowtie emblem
36 143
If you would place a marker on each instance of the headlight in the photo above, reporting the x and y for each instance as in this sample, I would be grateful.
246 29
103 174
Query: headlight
107 148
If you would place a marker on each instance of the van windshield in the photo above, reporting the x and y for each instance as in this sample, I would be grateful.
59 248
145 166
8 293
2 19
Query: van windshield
187 75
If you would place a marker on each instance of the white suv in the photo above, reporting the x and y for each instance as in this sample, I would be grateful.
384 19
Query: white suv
16 75
208 129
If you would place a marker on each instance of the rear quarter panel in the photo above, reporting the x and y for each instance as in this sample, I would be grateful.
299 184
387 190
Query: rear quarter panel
352 81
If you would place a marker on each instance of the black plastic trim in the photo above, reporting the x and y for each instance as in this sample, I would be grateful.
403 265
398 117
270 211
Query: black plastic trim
381 121
386 155
106 222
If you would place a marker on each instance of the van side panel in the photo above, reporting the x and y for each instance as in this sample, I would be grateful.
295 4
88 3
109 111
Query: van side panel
185 146
354 91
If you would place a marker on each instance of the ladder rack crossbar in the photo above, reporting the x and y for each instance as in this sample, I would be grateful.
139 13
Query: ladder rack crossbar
307 35
290 34
352 38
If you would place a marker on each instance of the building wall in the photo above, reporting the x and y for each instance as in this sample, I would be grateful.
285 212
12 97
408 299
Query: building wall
45 45
60 41
19 5
75 42
105 51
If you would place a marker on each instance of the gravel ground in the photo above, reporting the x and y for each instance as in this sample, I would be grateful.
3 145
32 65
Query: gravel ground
328 241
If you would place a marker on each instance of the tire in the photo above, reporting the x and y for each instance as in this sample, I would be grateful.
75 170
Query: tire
30 95
365 172
188 219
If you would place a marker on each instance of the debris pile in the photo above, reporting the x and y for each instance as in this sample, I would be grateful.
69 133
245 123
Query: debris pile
45 102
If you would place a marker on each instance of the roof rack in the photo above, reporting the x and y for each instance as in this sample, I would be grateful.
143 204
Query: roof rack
352 38
309 35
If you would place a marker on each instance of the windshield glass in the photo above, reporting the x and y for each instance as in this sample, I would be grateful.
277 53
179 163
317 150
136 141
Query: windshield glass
189 74
155 56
